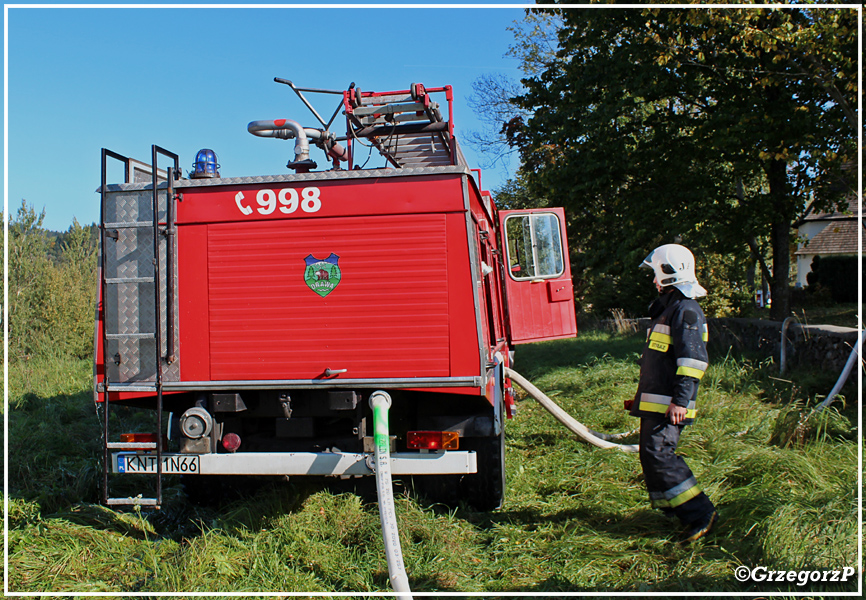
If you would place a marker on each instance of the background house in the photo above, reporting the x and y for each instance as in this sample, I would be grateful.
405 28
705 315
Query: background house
828 234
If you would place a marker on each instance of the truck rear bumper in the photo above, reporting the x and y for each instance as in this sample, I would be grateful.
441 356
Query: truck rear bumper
288 384
345 464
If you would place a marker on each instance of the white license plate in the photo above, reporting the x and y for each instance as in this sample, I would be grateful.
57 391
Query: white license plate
146 463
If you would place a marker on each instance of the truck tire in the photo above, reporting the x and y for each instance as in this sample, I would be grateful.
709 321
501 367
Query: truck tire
485 490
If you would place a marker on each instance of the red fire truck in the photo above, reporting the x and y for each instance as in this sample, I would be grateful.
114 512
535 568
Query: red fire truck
254 316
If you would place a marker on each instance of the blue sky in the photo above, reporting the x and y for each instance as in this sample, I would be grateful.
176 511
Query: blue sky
80 79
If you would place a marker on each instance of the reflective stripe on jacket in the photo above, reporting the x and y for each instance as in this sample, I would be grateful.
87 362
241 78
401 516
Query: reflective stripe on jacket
674 358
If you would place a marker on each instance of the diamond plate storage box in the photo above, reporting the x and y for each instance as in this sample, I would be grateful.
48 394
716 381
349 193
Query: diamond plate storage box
130 296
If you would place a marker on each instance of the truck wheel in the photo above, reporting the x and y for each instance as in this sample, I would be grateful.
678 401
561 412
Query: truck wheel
485 489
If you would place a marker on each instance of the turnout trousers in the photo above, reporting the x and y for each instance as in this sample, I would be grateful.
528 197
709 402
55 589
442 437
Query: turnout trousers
671 485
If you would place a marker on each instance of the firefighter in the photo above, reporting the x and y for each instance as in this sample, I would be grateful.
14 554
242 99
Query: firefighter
673 362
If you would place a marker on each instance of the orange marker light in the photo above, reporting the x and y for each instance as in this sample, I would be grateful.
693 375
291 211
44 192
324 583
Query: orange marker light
138 438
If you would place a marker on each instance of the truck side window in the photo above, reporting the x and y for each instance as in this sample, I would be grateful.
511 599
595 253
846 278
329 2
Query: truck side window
534 246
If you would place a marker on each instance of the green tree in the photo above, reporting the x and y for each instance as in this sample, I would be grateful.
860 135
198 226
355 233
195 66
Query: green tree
29 272
73 299
515 194
716 126
492 98
51 301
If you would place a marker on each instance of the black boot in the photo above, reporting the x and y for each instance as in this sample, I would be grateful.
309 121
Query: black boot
700 528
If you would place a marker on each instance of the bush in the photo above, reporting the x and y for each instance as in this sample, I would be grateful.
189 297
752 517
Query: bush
52 288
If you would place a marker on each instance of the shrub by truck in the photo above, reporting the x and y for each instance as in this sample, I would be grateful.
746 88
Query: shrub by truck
254 316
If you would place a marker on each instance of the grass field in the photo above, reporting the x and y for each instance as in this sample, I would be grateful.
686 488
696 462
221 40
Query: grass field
576 519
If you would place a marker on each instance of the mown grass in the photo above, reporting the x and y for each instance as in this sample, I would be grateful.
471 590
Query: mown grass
576 519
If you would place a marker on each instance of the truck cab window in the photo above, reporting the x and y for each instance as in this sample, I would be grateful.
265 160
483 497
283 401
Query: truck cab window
534 246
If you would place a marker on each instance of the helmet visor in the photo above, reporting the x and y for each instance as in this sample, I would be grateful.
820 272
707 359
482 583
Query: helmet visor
647 262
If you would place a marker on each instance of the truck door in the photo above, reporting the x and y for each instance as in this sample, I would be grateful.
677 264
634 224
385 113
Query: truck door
539 292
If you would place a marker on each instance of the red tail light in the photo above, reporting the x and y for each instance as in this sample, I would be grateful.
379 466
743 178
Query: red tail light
433 440
231 441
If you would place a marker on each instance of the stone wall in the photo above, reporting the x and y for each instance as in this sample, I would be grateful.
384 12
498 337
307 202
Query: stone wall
824 346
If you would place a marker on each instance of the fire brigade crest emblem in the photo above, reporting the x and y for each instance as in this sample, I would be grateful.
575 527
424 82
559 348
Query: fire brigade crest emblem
322 276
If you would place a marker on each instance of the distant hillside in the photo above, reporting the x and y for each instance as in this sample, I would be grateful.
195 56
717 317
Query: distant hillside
57 239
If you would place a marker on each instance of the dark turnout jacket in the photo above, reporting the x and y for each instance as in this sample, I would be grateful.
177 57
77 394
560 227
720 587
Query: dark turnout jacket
674 359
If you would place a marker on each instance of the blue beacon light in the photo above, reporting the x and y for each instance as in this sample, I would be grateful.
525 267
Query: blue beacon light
205 164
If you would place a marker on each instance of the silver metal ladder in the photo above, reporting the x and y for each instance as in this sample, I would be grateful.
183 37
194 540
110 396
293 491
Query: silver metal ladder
407 128
125 285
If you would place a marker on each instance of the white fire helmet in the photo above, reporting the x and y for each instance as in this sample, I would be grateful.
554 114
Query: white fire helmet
675 265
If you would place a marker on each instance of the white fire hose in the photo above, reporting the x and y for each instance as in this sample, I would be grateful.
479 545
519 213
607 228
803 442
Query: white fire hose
380 402
843 377
598 440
